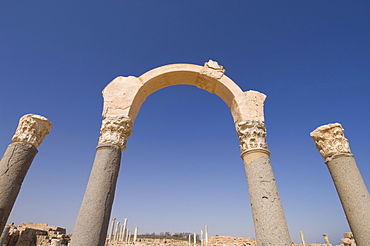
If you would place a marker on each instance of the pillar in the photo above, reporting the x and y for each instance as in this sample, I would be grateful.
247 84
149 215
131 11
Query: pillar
4 235
206 234
123 232
17 159
93 219
326 239
352 191
302 238
111 230
135 233
116 234
201 238
268 215
195 239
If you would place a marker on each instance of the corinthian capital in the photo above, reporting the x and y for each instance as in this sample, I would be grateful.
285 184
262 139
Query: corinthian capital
252 135
330 140
115 130
32 129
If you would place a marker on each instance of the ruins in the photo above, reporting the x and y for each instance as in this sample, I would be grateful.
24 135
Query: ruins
123 98
17 159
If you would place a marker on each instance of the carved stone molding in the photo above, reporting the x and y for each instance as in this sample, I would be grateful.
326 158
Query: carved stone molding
32 129
116 130
252 135
330 140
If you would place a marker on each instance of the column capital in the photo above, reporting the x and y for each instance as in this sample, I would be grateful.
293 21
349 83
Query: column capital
252 136
330 140
115 130
32 129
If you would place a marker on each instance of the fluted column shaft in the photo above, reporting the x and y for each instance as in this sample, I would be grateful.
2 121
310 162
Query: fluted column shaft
351 188
18 158
268 215
93 219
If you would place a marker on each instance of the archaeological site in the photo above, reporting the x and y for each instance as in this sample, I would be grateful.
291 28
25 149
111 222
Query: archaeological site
123 98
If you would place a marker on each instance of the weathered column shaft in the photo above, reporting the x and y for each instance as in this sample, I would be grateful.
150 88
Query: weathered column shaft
93 219
13 169
268 215
352 191
4 235
18 158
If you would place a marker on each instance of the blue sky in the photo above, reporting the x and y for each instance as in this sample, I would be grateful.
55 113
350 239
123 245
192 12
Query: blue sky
181 169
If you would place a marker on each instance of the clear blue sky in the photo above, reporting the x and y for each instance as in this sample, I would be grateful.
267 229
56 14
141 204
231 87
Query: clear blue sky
181 169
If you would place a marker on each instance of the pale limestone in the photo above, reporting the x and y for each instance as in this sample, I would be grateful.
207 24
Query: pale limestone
252 135
125 95
115 130
248 106
330 140
32 129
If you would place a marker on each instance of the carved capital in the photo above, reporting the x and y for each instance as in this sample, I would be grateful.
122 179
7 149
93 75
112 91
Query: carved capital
252 135
330 140
115 130
32 129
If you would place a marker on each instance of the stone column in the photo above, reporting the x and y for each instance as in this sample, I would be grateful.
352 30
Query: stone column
93 219
135 233
111 230
17 159
268 215
116 234
352 191
4 235
123 230
302 238
206 234
195 239
326 239
201 238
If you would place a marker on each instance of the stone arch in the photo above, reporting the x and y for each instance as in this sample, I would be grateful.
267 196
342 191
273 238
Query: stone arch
124 95
123 98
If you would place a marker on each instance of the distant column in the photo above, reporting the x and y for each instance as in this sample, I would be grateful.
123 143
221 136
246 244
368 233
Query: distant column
206 232
189 239
135 233
201 238
17 159
195 239
93 219
268 215
127 235
111 230
352 191
302 238
124 227
116 234
326 239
